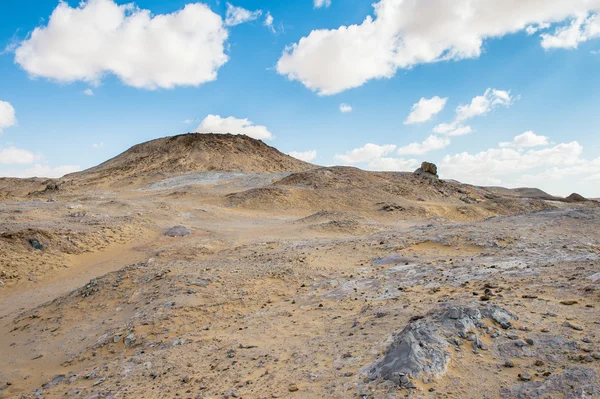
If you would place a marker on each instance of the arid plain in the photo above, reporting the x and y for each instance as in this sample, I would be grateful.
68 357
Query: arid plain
214 266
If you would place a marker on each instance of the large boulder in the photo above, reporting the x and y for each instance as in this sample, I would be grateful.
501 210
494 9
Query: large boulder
427 169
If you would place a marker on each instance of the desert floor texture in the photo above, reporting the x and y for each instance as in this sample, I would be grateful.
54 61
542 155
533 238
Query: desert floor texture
234 271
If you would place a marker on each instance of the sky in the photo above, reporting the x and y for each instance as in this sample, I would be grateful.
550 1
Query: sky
495 93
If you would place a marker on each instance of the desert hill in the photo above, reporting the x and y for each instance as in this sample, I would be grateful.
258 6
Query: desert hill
193 152
403 194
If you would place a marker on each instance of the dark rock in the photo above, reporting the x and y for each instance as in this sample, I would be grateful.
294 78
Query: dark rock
569 302
572 326
573 383
177 231
35 244
524 376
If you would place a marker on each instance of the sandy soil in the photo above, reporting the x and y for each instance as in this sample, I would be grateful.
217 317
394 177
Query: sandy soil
296 302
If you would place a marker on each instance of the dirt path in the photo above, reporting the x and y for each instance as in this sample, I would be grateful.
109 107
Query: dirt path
83 268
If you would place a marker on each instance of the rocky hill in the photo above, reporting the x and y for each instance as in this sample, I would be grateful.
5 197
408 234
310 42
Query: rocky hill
193 152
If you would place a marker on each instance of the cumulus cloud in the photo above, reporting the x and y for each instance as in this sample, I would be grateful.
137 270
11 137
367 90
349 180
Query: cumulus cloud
392 164
345 108
184 48
402 34
322 3
16 156
98 145
512 166
366 153
88 92
238 15
306 156
532 29
425 109
216 124
479 105
7 115
527 139
452 129
431 143
583 28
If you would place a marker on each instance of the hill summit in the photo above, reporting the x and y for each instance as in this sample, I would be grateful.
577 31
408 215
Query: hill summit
195 152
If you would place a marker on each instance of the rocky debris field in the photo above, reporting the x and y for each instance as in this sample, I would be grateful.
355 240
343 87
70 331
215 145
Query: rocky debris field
281 306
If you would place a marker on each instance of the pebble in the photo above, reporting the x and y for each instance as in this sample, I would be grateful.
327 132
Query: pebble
572 326
525 376
509 364
293 388
569 302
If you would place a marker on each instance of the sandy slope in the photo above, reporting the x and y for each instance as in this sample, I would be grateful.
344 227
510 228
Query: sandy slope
293 285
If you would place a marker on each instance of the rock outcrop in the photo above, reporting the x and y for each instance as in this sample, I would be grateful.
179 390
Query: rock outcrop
420 349
427 169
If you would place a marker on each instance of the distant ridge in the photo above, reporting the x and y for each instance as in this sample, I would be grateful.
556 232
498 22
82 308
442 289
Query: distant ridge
195 152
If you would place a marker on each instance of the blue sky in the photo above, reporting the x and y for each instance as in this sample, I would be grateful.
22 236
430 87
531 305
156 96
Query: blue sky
515 86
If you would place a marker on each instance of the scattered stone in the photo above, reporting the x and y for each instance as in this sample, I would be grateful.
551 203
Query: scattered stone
525 376
509 364
573 383
35 244
293 388
569 302
573 326
177 231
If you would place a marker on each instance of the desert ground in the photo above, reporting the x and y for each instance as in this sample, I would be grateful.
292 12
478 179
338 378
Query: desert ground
214 266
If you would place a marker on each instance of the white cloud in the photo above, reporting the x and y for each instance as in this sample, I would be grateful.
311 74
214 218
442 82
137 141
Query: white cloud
431 143
269 22
7 115
366 153
306 156
582 28
345 108
216 124
402 34
98 145
88 92
185 48
238 15
527 139
480 105
532 29
452 129
514 166
425 109
392 164
16 156
322 3
43 171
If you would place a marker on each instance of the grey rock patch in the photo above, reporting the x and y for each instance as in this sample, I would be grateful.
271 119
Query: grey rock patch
177 231
420 349
574 383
